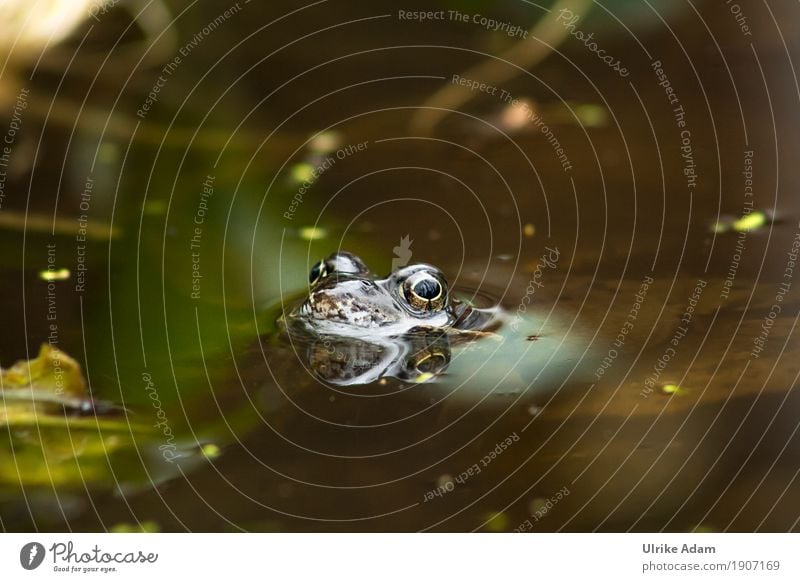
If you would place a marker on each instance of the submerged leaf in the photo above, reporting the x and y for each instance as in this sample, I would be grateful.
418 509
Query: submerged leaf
54 437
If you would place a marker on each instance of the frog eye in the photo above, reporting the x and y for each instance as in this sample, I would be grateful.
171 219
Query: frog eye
424 292
318 271
345 263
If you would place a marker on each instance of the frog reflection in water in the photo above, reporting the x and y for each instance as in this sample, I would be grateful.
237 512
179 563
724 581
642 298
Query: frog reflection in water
361 328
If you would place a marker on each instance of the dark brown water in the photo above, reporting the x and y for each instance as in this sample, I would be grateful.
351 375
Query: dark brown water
648 383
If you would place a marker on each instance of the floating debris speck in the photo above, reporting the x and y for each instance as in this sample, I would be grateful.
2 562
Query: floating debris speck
312 233
670 389
155 207
517 115
537 505
752 221
720 227
55 274
529 230
325 142
747 223
496 522
591 115
108 153
443 480
302 172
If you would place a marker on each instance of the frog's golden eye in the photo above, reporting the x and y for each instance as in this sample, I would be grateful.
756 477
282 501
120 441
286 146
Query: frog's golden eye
424 292
318 271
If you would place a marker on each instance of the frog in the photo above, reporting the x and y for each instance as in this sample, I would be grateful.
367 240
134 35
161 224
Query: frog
346 300
359 328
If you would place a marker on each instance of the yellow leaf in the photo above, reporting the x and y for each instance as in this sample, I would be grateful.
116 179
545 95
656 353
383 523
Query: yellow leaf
53 371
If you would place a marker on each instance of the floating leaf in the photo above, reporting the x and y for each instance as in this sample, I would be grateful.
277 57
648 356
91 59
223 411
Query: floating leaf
47 443
53 371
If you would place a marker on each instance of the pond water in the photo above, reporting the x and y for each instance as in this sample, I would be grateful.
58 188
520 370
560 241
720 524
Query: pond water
643 377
